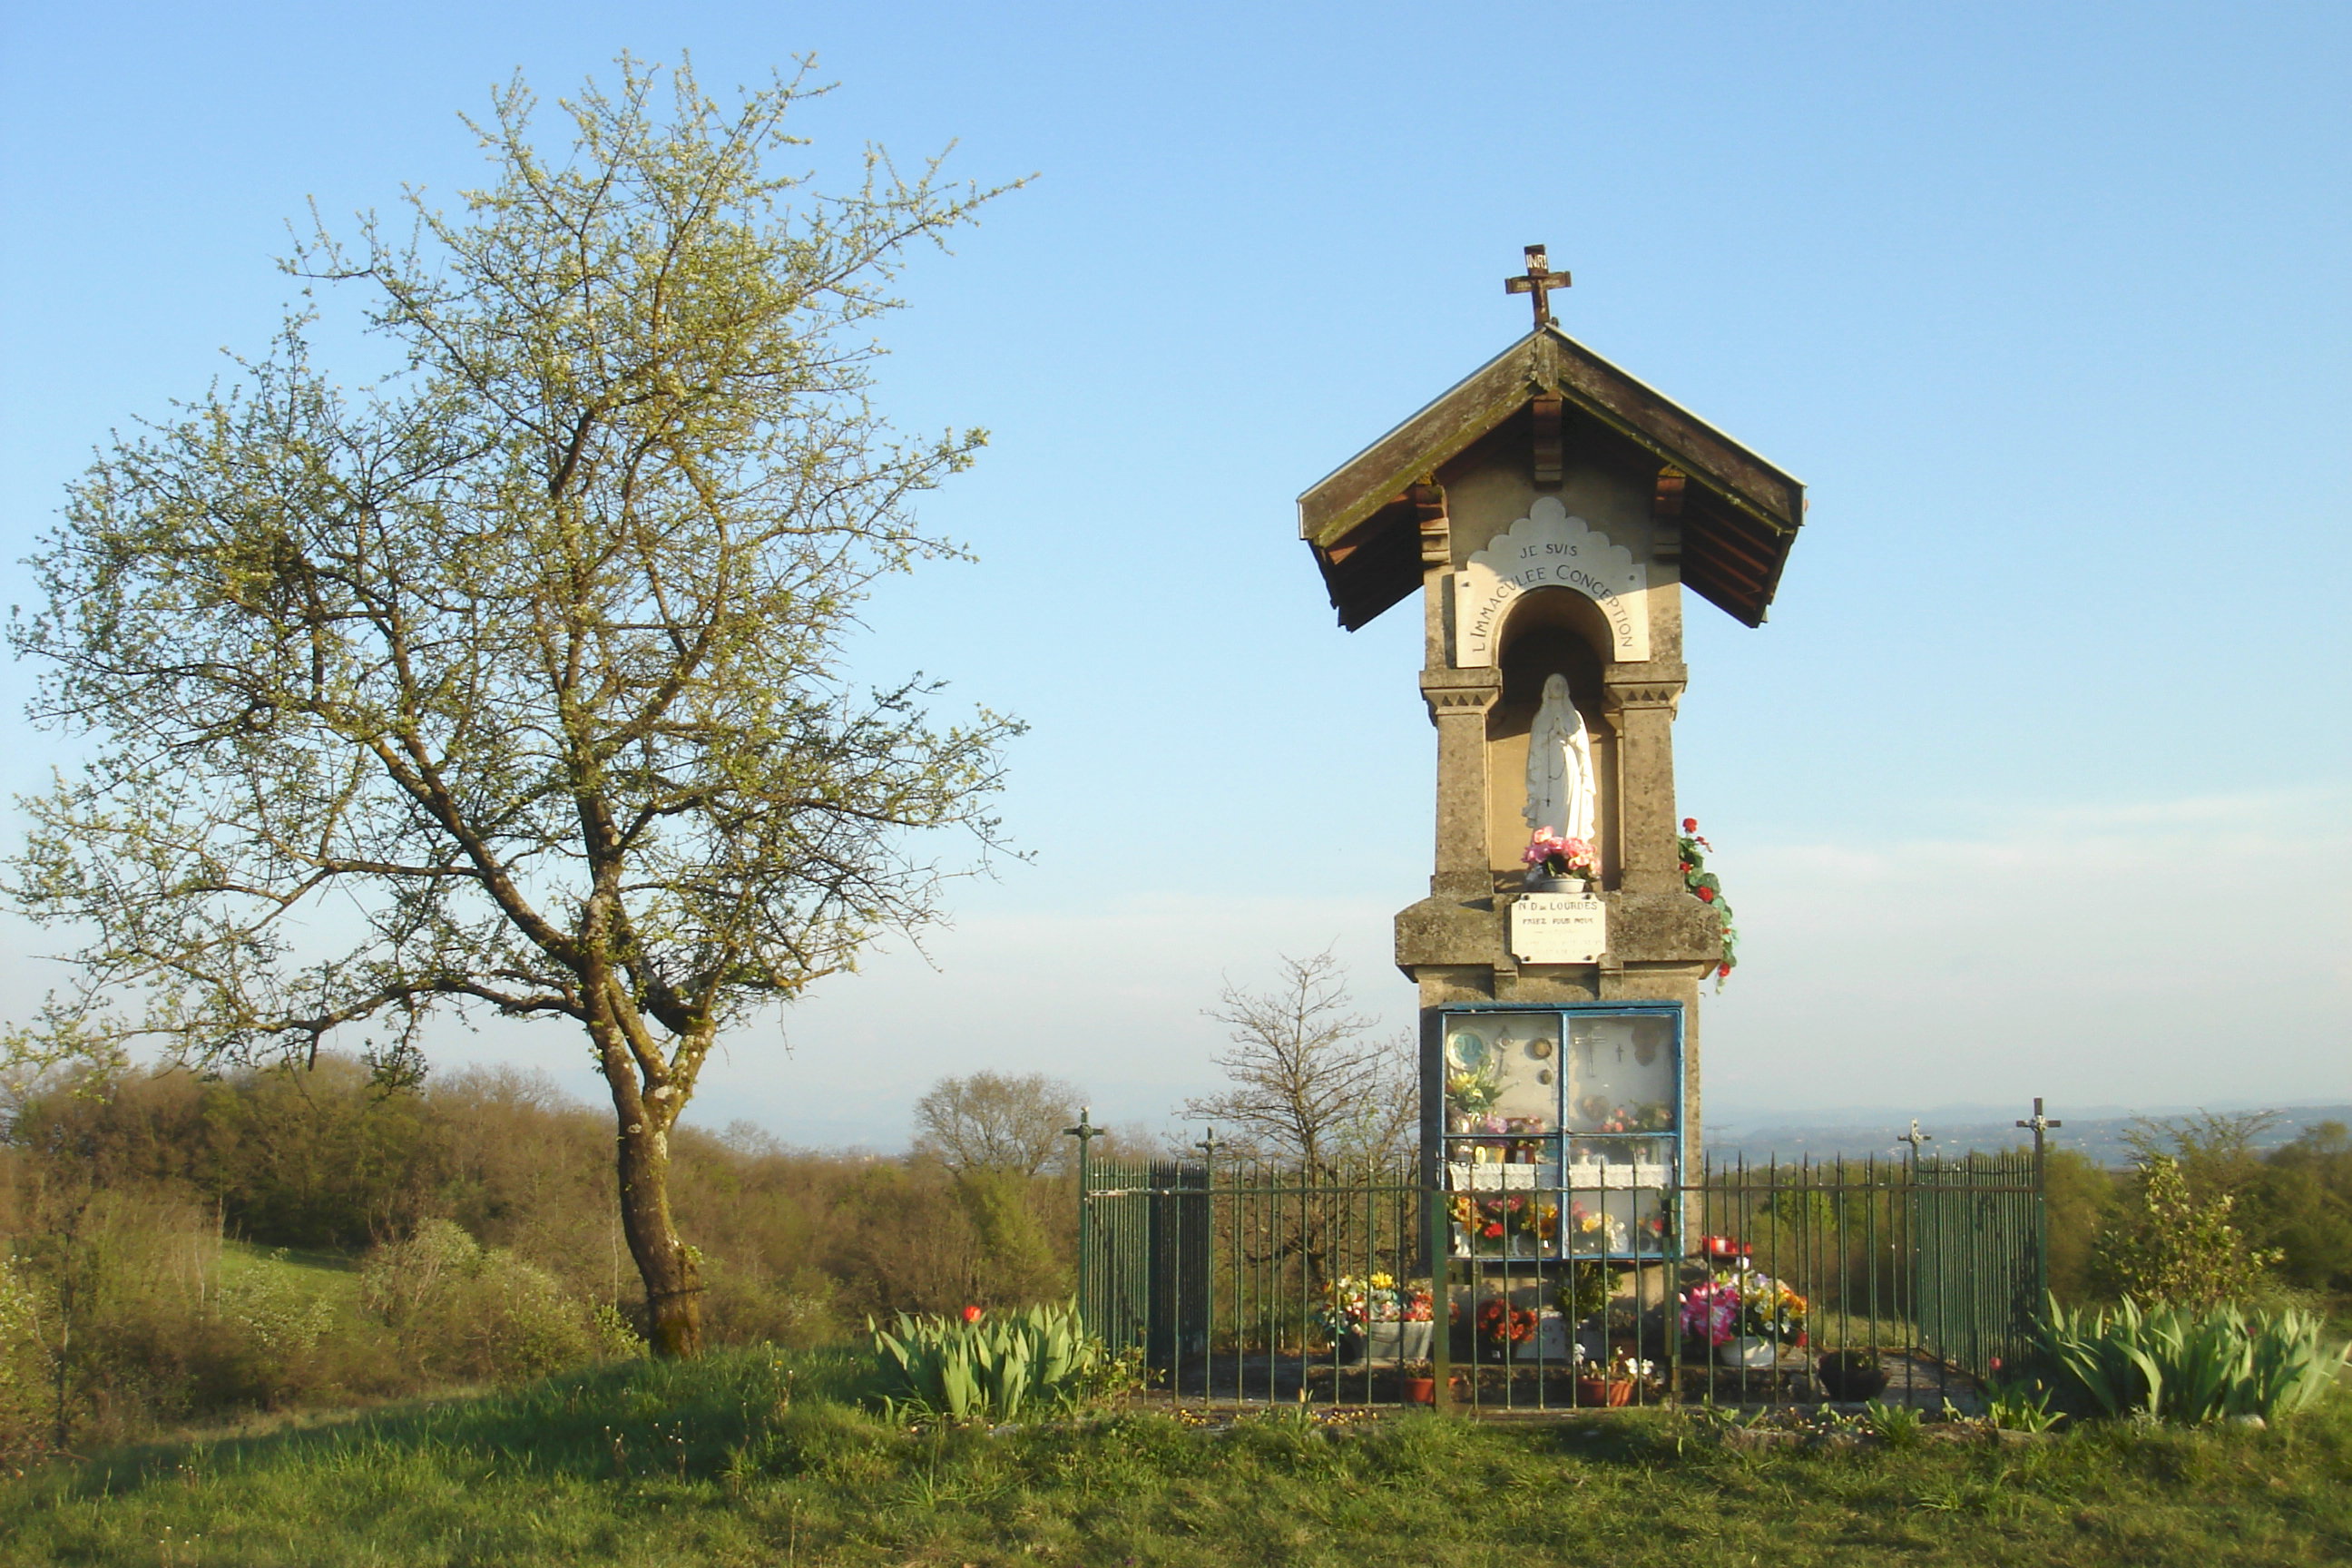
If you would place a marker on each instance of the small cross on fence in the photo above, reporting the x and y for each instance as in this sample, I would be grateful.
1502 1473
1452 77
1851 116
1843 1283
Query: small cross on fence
2040 1124
1208 1147
1915 1138
1538 280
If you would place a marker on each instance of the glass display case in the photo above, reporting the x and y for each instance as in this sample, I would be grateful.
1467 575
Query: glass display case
1563 1128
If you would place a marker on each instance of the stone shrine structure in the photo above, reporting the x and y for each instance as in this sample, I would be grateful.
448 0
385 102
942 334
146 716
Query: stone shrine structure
1551 511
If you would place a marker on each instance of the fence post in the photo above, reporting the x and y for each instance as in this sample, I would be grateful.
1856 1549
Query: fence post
1438 1242
2041 1125
1086 1133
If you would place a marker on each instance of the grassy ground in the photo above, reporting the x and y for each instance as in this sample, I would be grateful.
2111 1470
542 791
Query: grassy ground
758 1459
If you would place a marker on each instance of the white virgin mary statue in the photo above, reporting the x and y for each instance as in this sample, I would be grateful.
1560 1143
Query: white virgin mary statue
1560 766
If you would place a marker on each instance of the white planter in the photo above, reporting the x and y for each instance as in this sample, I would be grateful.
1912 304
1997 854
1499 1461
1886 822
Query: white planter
1752 1350
1385 1342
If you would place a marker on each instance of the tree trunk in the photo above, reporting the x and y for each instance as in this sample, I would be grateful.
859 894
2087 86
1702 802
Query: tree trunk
669 1268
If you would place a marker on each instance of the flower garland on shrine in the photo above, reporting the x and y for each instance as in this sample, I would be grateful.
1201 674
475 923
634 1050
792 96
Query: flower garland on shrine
1703 886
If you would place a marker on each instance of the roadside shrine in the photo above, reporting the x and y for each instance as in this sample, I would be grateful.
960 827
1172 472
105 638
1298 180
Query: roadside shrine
1551 511
1564 1241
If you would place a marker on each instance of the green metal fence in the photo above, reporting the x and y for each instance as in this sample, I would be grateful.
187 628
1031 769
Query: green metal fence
1254 1283
1978 1257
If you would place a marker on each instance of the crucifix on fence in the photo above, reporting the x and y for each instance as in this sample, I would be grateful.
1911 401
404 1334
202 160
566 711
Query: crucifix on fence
2040 1124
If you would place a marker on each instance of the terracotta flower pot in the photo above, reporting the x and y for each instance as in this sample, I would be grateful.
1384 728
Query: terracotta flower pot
1605 1391
1421 1391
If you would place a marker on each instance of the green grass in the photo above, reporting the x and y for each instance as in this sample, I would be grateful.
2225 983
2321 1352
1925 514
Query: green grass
327 1272
759 1458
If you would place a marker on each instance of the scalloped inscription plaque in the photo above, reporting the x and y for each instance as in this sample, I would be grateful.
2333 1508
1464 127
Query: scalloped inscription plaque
1551 548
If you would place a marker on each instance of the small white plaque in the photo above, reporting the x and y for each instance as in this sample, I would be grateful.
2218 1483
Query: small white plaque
1549 1343
1558 928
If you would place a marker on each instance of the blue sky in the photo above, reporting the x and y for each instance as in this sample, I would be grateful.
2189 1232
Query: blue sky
2035 781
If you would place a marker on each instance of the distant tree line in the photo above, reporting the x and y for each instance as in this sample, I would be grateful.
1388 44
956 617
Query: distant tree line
2203 1209
461 1230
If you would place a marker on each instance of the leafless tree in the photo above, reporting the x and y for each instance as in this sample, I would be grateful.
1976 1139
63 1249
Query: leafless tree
1312 1084
994 1122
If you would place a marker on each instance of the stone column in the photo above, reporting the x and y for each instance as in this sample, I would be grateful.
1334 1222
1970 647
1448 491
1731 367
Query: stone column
1641 707
1458 701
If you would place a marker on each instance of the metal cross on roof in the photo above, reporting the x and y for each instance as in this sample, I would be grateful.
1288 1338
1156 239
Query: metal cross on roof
1538 280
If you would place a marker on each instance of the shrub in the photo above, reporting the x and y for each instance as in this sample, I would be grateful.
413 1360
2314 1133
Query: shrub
996 1366
467 1311
23 1366
2177 1248
272 1329
2189 1364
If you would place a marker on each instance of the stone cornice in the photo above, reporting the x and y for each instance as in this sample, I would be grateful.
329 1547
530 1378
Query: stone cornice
1618 695
1460 690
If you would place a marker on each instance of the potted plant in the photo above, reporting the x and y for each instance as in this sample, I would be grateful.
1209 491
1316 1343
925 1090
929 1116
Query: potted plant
1584 1291
1611 1382
1850 1376
1557 865
1373 1317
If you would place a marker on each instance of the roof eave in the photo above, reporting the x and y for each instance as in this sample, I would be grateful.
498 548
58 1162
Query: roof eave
1546 361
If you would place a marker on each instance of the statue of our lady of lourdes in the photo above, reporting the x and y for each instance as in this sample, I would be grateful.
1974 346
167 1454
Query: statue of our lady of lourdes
1560 766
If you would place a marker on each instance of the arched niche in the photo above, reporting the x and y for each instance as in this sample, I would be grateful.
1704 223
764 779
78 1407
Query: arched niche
1550 631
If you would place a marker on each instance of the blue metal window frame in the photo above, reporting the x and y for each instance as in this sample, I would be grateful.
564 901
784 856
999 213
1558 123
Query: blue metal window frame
1563 1010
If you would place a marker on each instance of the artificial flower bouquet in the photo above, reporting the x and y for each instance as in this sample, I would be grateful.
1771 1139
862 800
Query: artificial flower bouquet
1651 1116
1491 1223
1558 856
1502 1325
1473 1093
1355 1302
1743 1305
1594 1231
1707 889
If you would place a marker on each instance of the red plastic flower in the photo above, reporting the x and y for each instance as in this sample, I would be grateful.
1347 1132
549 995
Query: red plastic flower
1707 895
972 1315
1690 825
